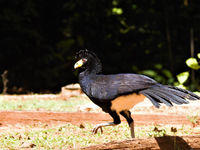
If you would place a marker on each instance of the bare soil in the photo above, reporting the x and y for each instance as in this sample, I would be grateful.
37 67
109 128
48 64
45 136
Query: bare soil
30 117
163 143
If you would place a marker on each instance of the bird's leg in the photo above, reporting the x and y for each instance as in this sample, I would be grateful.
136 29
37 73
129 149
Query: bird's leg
131 125
127 115
116 121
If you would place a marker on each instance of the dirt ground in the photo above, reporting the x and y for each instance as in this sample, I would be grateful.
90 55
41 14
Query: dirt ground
163 143
144 114
31 117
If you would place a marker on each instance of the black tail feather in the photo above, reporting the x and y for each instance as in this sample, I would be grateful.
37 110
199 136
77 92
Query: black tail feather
190 95
168 95
155 102
159 96
179 94
173 96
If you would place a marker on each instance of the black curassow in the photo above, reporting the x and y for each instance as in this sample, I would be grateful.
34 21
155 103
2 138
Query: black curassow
116 94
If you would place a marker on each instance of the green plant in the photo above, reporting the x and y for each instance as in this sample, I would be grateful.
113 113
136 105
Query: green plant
35 104
174 130
184 76
156 132
159 73
193 119
193 63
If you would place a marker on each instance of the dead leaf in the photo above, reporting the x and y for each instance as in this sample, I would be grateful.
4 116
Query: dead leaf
81 126
27 145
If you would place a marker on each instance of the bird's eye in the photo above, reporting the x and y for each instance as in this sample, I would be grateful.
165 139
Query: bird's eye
84 60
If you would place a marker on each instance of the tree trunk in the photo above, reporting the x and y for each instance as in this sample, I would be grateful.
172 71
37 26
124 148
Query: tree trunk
192 53
157 143
168 36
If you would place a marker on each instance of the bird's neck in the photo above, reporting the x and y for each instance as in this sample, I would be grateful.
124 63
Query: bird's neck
85 79
94 68
87 74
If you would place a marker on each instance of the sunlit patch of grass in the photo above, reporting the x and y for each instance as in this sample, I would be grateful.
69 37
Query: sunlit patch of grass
67 136
69 105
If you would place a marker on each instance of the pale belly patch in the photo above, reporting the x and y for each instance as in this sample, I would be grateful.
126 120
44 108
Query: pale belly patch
126 102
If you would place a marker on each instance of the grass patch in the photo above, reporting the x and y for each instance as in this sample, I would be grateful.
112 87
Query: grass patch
67 136
34 104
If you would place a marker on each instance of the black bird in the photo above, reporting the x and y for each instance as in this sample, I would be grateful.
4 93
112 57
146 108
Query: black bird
117 93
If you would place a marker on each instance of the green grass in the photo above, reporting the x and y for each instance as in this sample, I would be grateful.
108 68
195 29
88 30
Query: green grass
67 136
69 105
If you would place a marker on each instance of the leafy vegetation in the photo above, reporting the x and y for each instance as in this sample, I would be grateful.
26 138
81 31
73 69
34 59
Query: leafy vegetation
193 119
160 74
39 41
193 63
184 76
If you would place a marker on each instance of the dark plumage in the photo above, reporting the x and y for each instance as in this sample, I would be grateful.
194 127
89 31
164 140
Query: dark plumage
118 93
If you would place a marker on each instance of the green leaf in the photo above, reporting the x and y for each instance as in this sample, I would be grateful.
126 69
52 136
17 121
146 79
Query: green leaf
134 6
198 93
182 77
115 2
167 73
159 78
117 11
181 86
198 55
193 63
150 73
158 66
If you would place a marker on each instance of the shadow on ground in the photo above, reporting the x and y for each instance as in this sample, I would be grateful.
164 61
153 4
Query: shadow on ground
172 143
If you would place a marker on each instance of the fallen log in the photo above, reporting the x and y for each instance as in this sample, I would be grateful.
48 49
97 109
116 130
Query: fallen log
157 143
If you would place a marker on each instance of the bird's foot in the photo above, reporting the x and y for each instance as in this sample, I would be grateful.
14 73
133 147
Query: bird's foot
94 131
99 126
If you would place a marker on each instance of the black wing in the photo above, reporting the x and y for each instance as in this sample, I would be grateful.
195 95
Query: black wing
108 87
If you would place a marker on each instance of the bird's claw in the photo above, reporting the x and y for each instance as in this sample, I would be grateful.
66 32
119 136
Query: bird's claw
94 131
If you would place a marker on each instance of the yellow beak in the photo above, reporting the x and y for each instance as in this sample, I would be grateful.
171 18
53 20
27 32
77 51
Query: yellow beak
78 64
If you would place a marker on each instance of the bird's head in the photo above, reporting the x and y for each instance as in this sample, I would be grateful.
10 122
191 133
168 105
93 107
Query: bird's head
88 60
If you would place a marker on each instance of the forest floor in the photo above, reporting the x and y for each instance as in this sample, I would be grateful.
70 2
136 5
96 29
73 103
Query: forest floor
143 114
